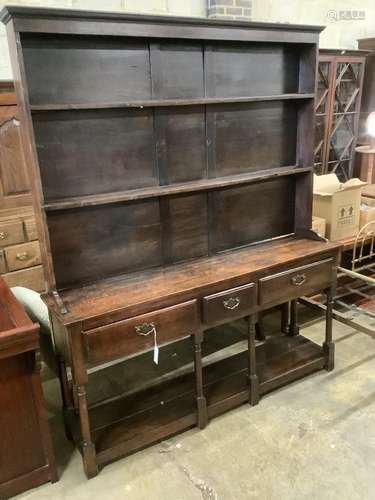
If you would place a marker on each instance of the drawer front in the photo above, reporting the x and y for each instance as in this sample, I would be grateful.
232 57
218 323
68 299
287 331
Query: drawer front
23 256
294 283
136 334
11 233
32 278
230 304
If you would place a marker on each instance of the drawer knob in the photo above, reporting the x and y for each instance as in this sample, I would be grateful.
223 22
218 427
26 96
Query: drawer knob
299 279
22 256
231 303
3 235
145 328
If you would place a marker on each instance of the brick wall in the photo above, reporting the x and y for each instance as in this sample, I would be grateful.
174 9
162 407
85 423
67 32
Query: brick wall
230 9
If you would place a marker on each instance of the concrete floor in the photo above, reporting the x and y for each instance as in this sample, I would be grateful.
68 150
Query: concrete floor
314 439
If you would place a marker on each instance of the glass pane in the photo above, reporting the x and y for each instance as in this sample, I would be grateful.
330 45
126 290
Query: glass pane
323 84
347 87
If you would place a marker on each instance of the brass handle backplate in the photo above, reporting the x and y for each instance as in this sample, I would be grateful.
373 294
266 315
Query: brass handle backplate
145 328
22 256
3 235
231 303
299 279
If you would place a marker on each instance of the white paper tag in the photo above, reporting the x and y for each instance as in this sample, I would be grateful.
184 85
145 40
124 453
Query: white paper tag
156 348
156 354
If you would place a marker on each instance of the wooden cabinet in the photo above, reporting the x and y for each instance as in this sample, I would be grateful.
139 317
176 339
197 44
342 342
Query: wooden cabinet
27 458
20 261
172 161
338 105
368 97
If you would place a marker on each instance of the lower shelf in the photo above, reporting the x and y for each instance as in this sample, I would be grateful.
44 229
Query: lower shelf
132 422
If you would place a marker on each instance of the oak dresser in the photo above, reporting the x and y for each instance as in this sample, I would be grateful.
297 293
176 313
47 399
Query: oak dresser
172 164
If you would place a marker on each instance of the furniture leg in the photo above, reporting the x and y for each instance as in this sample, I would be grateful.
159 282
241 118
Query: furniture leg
293 326
329 346
285 309
66 394
201 400
253 377
88 447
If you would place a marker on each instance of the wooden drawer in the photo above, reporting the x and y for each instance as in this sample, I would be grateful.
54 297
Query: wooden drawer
294 283
11 232
227 305
23 256
30 278
135 335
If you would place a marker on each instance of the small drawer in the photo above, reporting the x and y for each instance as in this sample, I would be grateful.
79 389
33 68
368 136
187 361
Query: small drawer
23 256
32 278
294 283
11 233
230 304
136 334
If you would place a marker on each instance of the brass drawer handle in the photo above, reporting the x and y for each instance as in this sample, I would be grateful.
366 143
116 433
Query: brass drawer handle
145 328
231 303
3 235
299 279
22 256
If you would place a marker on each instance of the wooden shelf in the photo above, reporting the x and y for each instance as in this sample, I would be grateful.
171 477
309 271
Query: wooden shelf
167 102
171 189
119 426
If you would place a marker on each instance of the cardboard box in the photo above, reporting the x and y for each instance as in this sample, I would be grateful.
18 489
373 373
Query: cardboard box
339 204
367 212
319 226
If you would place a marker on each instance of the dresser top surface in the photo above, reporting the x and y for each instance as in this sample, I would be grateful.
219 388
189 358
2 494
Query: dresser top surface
139 292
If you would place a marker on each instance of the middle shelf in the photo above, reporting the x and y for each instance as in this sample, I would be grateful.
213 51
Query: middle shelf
171 189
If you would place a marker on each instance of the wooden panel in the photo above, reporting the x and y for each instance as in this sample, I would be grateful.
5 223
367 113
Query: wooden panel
63 69
100 152
20 444
185 231
11 232
251 213
30 229
24 255
250 70
3 268
30 278
138 334
103 241
251 137
177 70
181 144
14 178
296 282
229 304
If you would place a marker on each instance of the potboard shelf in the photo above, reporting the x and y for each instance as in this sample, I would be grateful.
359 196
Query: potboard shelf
225 386
168 102
169 190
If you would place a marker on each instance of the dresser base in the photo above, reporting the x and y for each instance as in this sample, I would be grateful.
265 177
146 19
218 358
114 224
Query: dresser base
131 422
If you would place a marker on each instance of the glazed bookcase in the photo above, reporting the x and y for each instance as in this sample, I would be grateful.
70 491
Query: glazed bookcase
172 161
338 105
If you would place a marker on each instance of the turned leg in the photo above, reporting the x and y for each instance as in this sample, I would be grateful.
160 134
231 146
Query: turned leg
88 447
253 377
201 400
80 380
329 346
285 318
66 395
293 326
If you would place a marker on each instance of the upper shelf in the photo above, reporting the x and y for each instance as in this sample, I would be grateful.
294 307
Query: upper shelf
172 189
167 102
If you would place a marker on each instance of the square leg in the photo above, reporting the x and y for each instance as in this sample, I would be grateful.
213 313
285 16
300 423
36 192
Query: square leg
201 400
253 377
